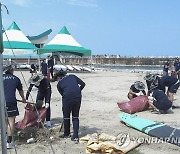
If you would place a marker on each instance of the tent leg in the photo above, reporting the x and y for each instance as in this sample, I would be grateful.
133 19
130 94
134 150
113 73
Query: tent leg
39 60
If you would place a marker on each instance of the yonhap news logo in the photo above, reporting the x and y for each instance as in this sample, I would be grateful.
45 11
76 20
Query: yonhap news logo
124 139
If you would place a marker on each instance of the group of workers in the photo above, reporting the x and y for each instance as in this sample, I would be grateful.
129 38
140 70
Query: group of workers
69 87
159 99
44 67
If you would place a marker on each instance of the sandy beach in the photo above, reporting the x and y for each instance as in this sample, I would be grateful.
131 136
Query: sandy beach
99 113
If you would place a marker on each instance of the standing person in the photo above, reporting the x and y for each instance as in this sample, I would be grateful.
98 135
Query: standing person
44 92
70 87
135 90
177 67
166 68
11 83
32 69
159 100
51 65
44 67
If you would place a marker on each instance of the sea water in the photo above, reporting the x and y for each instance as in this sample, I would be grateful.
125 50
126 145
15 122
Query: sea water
129 68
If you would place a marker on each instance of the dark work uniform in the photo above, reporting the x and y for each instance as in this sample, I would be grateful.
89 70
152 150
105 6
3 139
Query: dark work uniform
70 90
169 81
136 91
162 102
50 66
11 83
177 68
33 68
165 70
177 65
148 83
44 68
44 92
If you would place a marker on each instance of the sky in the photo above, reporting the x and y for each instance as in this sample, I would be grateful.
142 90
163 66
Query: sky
115 27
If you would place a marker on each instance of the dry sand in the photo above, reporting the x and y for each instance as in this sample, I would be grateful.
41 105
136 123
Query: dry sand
99 113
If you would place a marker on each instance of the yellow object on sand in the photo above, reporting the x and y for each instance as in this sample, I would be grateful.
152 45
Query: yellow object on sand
105 143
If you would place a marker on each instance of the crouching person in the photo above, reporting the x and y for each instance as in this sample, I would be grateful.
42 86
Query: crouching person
70 87
11 83
44 93
136 89
159 100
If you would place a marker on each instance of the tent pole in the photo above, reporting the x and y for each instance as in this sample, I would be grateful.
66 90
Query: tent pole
2 99
39 63
91 59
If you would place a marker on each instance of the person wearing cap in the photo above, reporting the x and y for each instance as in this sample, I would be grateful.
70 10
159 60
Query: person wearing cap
159 100
177 67
135 90
51 65
70 87
149 77
11 83
44 93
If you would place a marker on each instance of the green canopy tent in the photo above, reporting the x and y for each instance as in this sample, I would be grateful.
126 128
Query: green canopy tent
17 45
13 38
63 42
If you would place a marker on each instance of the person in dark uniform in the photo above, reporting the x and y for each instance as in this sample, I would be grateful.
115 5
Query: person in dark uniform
51 65
11 83
168 81
166 68
70 87
177 67
44 92
135 90
32 69
159 100
44 67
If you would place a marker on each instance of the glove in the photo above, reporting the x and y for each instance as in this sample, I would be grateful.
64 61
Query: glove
23 100
151 98
138 94
47 105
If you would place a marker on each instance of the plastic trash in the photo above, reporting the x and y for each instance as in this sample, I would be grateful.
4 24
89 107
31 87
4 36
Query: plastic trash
31 140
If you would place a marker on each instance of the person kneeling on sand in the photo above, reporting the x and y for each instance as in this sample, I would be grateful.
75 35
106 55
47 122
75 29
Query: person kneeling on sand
70 87
168 81
136 89
149 77
159 100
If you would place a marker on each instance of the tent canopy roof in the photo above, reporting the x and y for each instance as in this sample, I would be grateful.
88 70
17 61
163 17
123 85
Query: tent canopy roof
14 38
64 31
80 51
63 42
40 35
13 26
